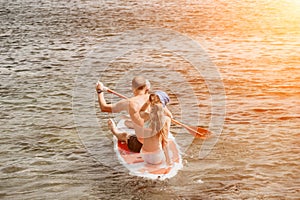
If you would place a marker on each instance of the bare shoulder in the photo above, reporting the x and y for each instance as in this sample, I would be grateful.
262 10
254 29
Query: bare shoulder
138 101
133 105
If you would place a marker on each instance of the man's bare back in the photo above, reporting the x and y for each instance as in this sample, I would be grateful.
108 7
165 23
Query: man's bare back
132 105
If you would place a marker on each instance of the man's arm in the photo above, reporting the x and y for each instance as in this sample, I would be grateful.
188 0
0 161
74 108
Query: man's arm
121 105
138 122
145 115
134 113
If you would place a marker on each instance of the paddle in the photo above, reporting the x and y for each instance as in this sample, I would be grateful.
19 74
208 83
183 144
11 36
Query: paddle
197 132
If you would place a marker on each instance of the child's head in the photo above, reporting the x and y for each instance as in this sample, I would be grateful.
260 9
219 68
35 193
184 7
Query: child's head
154 99
159 97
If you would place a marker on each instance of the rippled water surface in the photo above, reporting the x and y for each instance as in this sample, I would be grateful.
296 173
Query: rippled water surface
54 140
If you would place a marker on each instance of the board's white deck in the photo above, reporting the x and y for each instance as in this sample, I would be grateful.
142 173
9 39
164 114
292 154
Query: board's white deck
135 164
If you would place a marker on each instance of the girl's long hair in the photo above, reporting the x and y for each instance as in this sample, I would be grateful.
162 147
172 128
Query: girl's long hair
157 122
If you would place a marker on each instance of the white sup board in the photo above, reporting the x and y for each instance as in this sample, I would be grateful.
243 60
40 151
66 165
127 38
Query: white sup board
135 163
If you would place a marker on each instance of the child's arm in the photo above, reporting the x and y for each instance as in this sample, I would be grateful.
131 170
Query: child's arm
165 144
168 112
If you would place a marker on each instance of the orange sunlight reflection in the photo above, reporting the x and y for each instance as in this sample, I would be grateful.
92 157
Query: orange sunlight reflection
294 6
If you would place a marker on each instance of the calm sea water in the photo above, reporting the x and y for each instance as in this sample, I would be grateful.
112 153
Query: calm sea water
54 140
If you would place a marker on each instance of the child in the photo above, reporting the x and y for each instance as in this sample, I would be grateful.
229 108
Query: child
156 129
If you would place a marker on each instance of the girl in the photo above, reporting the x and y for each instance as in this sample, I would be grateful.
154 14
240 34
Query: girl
156 129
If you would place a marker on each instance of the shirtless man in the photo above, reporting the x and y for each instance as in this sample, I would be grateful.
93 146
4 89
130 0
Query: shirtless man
140 89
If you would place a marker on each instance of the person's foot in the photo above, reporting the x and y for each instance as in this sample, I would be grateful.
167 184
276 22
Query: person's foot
120 135
112 126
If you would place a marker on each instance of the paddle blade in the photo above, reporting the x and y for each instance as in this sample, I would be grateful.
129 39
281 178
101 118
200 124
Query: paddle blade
199 132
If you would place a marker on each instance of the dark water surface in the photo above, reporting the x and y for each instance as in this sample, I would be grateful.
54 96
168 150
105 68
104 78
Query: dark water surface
55 145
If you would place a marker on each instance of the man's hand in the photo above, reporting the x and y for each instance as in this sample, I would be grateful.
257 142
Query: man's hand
99 86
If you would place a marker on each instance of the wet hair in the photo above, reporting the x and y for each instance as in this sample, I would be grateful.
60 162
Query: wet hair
157 123
141 87
140 83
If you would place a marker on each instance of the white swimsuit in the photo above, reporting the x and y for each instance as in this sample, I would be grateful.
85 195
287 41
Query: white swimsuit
153 158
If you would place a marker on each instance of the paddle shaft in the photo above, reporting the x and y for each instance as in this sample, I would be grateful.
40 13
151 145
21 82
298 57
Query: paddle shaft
186 127
173 120
115 93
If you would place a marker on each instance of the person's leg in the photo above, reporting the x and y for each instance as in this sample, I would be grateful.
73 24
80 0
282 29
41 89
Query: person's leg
132 141
121 136
129 123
